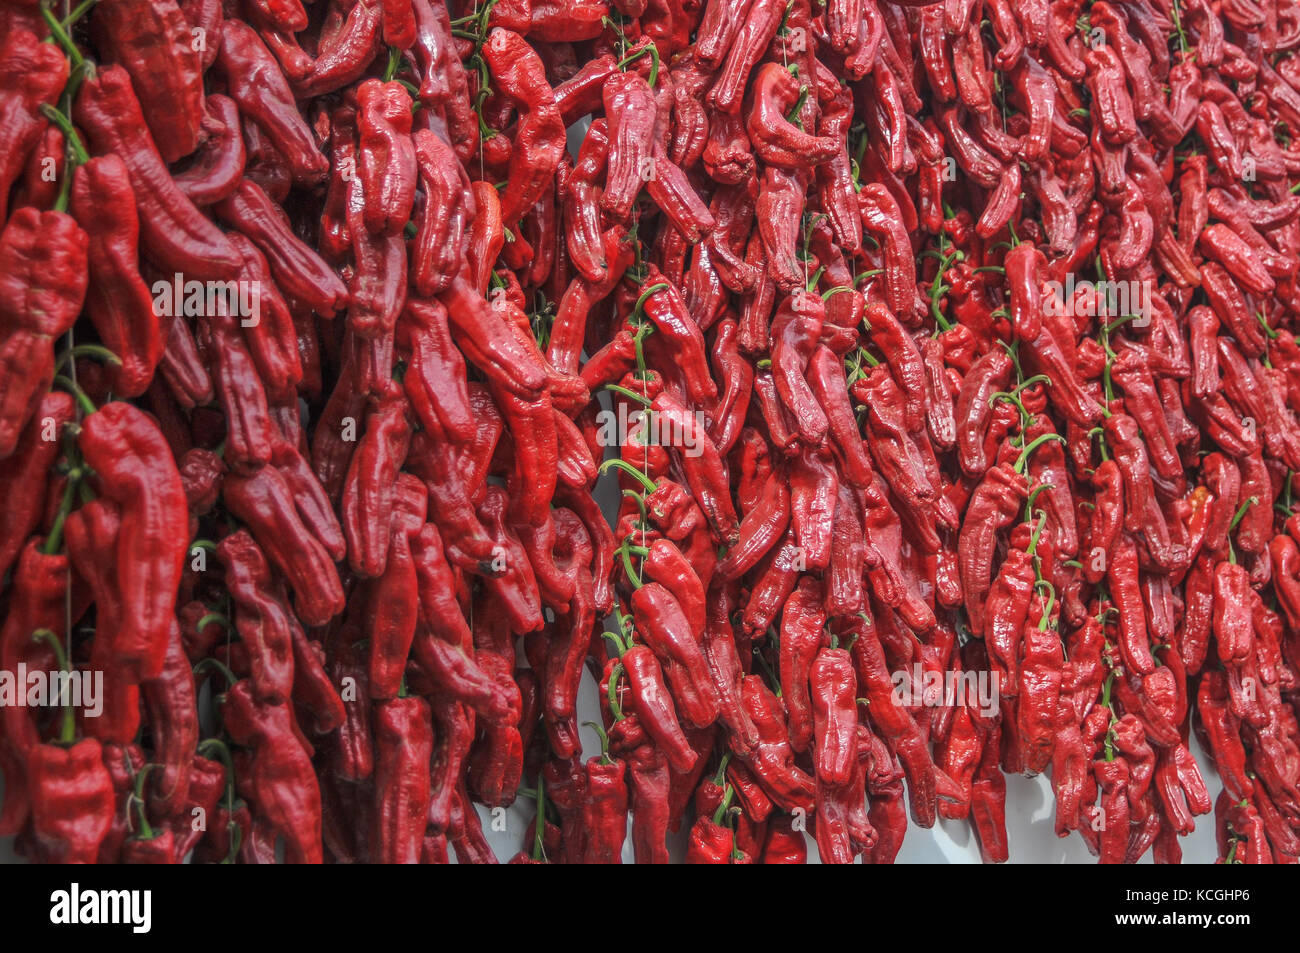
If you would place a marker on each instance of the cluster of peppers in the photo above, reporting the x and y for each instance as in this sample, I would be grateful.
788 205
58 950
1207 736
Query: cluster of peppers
940 344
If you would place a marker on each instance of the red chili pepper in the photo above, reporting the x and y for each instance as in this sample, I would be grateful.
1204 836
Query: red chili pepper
1222 732
1007 611
653 705
1113 779
134 469
118 300
260 617
254 81
1122 577
539 141
265 503
207 784
386 166
72 801
568 651
664 307
1228 303
23 474
403 746
270 334
368 491
989 374
442 219
346 56
282 785
895 724
604 814
772 761
33 74
834 716
172 230
763 527
301 274
894 448
44 281
1142 513
1040 682
814 488
993 506
394 594
784 845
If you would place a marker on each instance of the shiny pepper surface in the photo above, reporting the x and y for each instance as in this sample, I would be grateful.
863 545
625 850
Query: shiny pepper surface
72 801
281 780
403 730
134 468
42 284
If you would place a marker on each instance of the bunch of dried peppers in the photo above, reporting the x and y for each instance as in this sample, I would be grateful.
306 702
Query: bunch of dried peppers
943 356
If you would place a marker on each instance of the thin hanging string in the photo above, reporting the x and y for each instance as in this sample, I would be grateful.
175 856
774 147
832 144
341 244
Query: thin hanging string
785 61
72 373
481 173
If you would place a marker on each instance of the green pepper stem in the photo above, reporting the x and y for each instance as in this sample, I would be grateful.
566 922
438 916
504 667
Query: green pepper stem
60 36
1119 323
793 116
1031 381
634 549
639 500
236 841
54 541
620 646
937 291
1241 511
633 576
1033 495
629 394
1034 445
67 383
217 617
1013 352
137 797
222 751
1101 443
604 740
644 329
1013 398
77 13
215 664
87 350
1038 531
720 775
68 721
1051 602
617 463
394 61
649 50
79 153
727 794
639 307
611 688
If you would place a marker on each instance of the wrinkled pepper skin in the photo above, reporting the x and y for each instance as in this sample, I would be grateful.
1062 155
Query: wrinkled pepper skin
134 468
